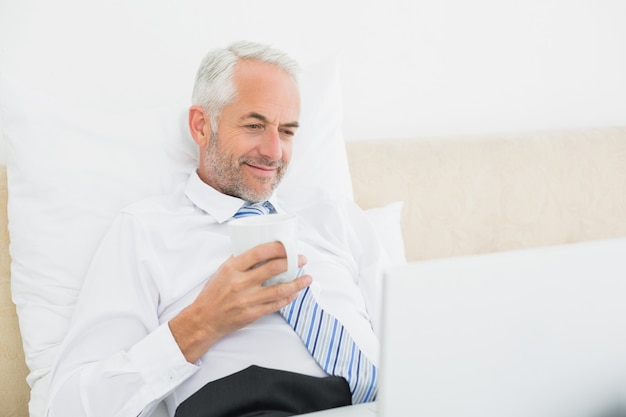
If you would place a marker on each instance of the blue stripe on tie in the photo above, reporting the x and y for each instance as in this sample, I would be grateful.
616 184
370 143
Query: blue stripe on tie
338 349
301 299
358 368
370 390
308 336
317 334
350 368
331 342
288 315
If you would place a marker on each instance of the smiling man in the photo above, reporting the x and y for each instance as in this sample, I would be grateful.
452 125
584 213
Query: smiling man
248 152
170 323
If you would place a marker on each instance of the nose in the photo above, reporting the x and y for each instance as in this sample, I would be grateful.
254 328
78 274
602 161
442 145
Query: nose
272 145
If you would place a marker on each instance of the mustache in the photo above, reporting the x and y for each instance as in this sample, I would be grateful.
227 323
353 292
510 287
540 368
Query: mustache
264 162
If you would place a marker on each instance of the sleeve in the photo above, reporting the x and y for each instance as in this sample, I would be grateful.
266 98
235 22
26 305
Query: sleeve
117 359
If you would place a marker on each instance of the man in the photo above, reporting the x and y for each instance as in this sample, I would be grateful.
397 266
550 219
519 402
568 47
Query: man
170 323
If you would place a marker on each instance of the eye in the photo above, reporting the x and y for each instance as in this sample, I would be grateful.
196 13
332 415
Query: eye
255 126
288 132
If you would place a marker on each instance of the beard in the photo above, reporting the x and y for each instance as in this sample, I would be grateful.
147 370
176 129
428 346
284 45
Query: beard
227 176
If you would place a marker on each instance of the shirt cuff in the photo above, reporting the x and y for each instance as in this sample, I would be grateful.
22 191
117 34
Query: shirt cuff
163 368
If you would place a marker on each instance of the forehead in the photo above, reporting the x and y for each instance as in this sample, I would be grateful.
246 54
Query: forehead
265 89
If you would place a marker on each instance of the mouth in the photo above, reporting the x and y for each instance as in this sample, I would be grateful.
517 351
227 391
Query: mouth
262 167
261 170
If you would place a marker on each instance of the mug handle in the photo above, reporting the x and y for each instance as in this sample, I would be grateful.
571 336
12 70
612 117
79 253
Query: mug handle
292 265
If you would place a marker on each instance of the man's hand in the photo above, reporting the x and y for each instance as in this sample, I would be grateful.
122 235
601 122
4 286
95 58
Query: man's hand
234 297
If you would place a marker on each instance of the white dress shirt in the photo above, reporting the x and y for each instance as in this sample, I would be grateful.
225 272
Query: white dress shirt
120 358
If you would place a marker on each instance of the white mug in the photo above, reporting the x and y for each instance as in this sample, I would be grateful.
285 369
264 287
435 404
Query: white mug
251 231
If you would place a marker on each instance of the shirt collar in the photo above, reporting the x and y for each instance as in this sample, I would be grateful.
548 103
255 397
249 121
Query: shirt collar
220 206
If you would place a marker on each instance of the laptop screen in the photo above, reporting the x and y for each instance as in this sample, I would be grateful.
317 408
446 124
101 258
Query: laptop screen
539 332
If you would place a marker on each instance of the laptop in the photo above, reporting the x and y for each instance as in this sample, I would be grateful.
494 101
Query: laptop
529 333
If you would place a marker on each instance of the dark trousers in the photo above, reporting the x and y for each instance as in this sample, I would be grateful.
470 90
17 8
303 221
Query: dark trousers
257 391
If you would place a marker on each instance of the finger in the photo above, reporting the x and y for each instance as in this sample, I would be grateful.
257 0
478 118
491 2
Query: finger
277 266
258 254
267 300
261 273
279 295
301 261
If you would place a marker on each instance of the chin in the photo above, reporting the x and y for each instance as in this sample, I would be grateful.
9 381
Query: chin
256 196
263 191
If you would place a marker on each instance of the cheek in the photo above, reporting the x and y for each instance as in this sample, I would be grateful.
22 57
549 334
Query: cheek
234 149
287 150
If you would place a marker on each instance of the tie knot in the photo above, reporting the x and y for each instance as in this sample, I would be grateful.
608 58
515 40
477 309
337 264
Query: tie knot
254 209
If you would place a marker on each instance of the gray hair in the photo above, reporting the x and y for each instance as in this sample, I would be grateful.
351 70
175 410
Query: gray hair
214 88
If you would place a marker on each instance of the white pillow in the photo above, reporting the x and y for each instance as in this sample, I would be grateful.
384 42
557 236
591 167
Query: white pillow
387 222
319 157
70 170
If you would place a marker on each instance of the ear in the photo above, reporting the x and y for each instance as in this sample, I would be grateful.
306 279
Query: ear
199 125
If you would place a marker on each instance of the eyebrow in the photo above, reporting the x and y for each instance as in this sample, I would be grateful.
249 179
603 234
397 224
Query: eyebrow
264 119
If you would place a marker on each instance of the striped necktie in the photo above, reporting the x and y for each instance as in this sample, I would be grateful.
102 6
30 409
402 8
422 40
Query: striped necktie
324 336
254 209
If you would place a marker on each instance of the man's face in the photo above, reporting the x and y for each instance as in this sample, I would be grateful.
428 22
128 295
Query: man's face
249 154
